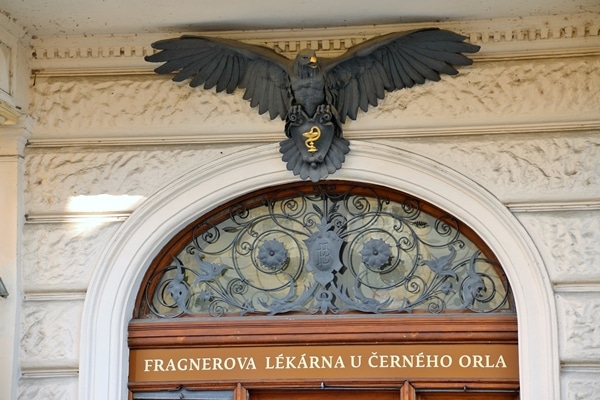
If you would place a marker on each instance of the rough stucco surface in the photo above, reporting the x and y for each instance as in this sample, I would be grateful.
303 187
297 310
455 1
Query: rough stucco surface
579 329
513 167
48 389
568 243
516 167
585 386
520 167
59 257
50 333
489 93
114 171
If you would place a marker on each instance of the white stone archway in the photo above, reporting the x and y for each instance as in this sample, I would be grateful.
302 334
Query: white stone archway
111 295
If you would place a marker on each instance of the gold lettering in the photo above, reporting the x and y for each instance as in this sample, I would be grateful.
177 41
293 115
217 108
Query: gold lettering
356 361
314 361
478 361
217 364
171 365
148 364
501 363
268 361
195 364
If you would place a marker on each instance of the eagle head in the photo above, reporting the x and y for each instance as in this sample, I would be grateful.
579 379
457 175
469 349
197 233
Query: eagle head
306 64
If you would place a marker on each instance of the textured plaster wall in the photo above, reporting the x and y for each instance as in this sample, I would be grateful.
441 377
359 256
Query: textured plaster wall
487 93
527 169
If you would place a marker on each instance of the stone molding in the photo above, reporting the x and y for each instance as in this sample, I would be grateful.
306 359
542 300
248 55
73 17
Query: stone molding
577 288
121 266
521 207
55 296
508 39
70 217
356 134
553 206
37 372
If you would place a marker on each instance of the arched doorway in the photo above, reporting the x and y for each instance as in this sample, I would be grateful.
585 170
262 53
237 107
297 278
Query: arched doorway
111 296
314 290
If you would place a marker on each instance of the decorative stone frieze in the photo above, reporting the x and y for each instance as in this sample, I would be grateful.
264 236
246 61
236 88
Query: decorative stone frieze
507 39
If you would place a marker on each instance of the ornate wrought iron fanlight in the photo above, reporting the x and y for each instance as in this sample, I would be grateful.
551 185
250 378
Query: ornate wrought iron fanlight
330 249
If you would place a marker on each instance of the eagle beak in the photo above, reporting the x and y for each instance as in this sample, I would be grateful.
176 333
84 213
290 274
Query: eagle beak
313 61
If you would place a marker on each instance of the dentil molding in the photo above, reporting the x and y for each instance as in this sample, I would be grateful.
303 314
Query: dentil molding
502 39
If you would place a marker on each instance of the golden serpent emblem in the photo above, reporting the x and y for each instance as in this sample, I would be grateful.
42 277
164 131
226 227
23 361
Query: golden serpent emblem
311 137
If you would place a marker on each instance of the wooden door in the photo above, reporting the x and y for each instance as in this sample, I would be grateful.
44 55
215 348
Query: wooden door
374 394
468 396
325 394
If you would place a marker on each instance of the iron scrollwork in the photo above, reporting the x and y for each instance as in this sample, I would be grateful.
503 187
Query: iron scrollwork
328 252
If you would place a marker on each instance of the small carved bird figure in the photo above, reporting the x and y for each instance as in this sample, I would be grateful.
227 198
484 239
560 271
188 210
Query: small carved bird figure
178 288
473 286
309 91
209 271
442 265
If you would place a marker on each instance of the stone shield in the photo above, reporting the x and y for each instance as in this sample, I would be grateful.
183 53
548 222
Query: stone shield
313 139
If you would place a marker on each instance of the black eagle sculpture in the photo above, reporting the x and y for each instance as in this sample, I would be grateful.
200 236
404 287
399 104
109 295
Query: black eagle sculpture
314 95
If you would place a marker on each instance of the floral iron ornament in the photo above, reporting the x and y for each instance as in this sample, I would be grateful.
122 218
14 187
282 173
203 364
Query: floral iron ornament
327 253
314 95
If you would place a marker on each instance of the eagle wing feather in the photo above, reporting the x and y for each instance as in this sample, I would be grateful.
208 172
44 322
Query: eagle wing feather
361 76
226 65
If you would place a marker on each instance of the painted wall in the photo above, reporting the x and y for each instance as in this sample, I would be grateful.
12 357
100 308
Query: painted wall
522 124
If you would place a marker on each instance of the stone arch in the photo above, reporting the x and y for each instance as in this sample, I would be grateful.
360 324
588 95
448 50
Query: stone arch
120 269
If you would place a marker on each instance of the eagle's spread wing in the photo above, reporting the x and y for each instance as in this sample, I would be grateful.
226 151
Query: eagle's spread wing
228 64
362 75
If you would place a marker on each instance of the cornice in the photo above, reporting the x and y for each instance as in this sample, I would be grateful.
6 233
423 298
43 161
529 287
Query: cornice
548 206
592 125
553 206
502 39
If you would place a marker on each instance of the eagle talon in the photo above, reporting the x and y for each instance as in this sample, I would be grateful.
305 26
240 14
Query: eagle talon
296 115
323 114
323 109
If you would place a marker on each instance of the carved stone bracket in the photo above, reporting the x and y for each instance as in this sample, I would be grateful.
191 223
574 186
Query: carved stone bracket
8 114
14 136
